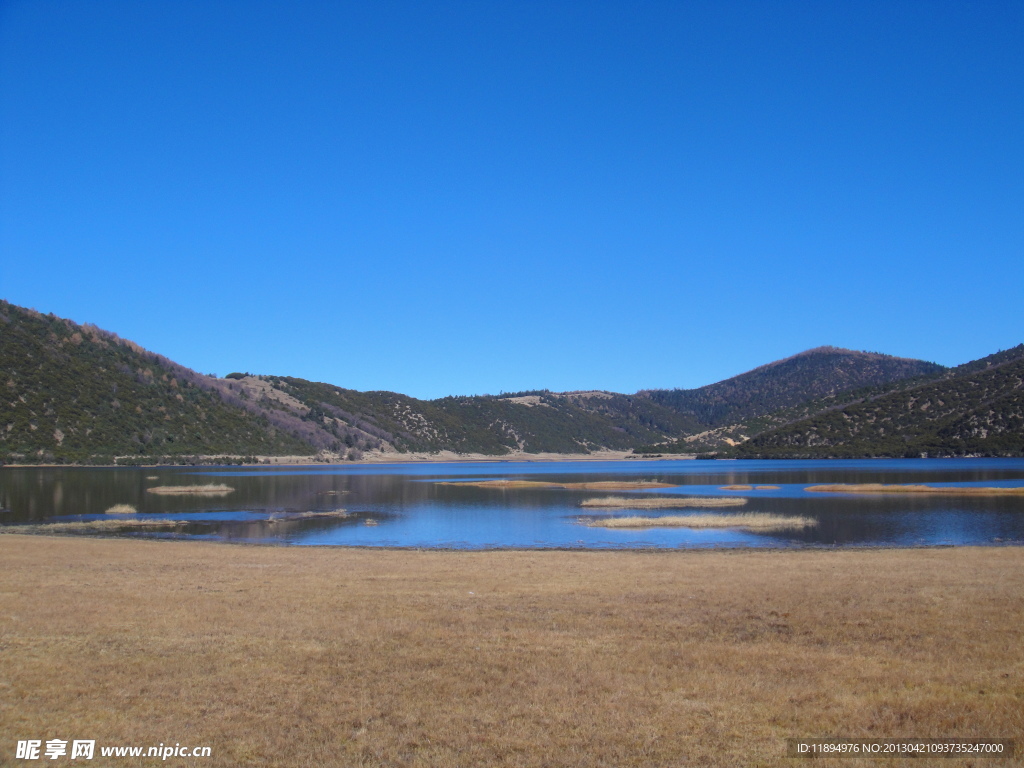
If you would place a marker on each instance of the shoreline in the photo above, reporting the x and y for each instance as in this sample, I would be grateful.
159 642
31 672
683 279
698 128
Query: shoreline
441 457
448 457
7 531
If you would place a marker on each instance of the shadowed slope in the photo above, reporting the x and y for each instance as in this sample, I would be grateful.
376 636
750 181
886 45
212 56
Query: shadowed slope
811 375
977 409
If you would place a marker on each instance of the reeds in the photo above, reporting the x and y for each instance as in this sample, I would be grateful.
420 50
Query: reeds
121 509
284 517
661 502
603 485
192 490
89 526
933 489
750 521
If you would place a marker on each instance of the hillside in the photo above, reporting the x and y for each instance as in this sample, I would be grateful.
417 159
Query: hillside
974 409
75 393
734 410
812 375
532 422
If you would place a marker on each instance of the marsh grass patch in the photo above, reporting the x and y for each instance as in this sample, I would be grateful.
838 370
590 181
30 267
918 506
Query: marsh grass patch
661 502
121 509
749 521
932 489
91 526
211 489
601 485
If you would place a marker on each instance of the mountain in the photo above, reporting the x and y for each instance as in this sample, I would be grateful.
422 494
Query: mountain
574 422
812 375
76 393
974 409
535 421
734 410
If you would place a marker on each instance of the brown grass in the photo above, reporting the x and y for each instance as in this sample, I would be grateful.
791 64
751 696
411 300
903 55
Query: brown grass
752 521
622 502
604 485
766 487
90 526
945 491
312 656
192 490
327 514
121 509
737 488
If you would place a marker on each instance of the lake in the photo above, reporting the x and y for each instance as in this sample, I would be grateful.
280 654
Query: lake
403 505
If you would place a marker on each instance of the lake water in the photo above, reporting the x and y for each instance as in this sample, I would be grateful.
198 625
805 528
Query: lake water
402 505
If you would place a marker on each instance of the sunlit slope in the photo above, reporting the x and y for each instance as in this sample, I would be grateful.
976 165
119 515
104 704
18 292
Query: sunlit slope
77 393
535 422
976 408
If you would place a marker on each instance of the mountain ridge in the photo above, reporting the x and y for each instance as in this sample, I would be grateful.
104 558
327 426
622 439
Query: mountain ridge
77 394
975 409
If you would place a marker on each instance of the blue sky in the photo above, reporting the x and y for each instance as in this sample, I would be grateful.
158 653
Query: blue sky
454 198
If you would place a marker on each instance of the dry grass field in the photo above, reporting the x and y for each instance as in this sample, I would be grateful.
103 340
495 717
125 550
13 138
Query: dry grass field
345 657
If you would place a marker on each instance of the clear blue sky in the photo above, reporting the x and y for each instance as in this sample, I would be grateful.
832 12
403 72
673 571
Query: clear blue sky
454 198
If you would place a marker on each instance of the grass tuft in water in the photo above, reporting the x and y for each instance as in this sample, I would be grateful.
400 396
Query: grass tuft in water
751 521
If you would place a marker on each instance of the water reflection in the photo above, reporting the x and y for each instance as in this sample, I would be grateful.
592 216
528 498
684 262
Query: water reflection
402 505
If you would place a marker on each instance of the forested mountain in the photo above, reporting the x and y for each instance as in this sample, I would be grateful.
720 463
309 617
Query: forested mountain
737 409
812 375
976 408
74 393
535 422
77 393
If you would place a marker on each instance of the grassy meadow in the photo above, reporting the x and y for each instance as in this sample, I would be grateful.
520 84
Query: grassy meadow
278 656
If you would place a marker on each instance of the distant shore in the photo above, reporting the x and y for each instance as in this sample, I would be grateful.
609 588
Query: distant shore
378 457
